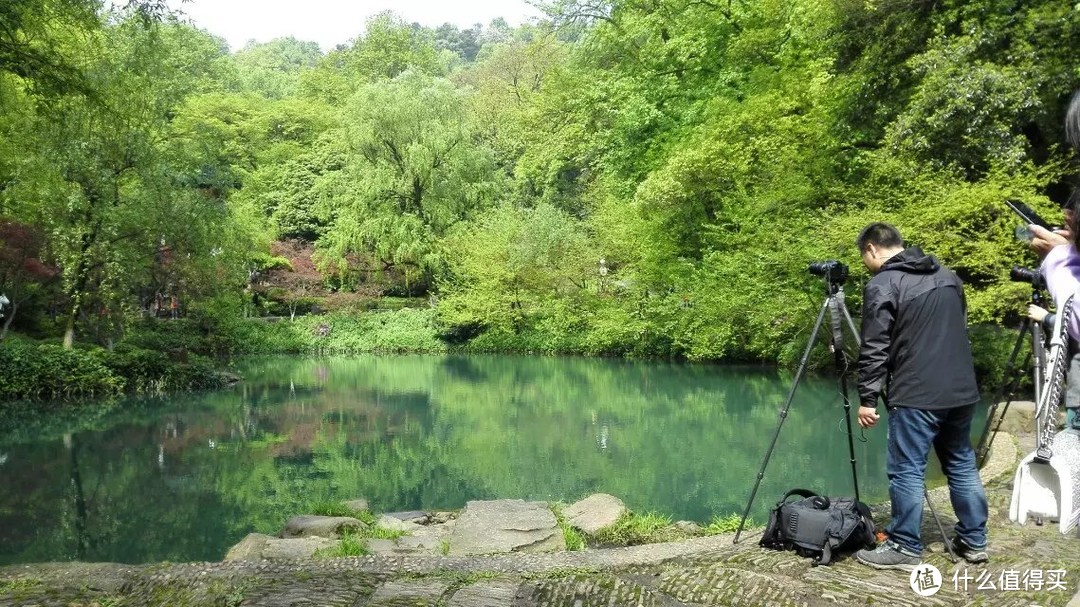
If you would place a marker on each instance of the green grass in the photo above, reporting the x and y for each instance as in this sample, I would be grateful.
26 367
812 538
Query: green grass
575 539
382 533
340 509
351 544
726 524
632 529
354 543
19 587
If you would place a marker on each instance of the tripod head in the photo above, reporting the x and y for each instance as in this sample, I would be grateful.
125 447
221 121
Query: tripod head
834 272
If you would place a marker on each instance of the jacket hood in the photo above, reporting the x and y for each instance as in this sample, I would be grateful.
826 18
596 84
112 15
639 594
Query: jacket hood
912 259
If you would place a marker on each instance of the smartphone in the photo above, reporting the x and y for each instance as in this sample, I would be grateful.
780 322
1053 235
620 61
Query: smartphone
1030 216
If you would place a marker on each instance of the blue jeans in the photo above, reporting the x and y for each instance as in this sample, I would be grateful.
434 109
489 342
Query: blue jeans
911 434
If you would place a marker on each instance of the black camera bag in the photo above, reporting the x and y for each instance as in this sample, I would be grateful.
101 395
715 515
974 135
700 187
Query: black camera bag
818 526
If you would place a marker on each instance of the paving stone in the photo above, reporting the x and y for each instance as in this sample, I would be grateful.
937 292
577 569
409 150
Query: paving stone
409 593
486 593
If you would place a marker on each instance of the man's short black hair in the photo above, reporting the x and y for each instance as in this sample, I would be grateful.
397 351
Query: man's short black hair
880 234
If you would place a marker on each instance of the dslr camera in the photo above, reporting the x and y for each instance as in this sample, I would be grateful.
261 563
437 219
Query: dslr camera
833 271
1018 274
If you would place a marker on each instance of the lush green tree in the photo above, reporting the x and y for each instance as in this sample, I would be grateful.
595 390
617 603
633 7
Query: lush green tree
465 43
669 138
388 47
273 69
511 264
106 185
413 170
33 34
246 144
685 133
507 81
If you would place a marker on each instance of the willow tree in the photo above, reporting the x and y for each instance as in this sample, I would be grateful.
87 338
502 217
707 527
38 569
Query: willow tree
412 170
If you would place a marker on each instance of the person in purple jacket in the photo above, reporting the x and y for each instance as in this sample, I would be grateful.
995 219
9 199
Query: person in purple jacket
1061 269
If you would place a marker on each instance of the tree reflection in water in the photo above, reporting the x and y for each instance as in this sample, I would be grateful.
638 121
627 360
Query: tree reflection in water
184 478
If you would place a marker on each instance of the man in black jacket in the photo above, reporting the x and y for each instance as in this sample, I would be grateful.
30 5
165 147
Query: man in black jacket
915 349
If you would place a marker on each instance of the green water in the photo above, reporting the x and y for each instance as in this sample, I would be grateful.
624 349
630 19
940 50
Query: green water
184 478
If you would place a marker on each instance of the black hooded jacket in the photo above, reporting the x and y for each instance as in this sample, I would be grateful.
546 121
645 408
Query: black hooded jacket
915 344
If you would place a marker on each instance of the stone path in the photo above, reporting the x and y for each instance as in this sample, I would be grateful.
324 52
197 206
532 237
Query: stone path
699 572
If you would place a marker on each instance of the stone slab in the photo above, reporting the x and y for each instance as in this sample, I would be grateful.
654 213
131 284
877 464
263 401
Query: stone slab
486 593
596 512
414 593
249 549
497 526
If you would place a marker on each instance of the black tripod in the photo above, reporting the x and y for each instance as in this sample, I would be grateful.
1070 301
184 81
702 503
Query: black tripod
1014 374
834 273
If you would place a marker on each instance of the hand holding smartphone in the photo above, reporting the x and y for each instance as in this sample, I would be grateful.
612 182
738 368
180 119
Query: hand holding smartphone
1029 215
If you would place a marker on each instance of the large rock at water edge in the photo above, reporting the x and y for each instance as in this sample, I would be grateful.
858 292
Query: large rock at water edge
308 525
249 549
595 512
259 547
487 527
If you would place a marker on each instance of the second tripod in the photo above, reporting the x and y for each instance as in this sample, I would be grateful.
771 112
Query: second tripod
1036 361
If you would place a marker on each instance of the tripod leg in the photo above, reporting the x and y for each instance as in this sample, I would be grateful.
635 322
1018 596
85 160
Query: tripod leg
1008 387
783 416
837 309
941 528
851 325
1038 353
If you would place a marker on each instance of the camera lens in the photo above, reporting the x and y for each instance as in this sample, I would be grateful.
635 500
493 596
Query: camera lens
1019 274
831 270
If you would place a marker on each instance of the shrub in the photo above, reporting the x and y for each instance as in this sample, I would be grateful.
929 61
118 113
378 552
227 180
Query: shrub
32 370
991 346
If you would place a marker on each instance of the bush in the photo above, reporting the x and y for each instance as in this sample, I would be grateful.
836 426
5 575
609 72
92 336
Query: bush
991 346
32 370
44 370
150 371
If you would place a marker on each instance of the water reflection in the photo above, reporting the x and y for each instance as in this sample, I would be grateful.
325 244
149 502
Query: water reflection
183 479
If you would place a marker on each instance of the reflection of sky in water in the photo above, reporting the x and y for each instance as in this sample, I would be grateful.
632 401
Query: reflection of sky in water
184 479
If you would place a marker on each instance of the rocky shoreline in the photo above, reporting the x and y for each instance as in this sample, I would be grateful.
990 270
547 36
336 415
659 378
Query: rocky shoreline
699 571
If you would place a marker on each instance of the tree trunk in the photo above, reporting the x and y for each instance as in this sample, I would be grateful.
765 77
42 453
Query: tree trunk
81 537
69 332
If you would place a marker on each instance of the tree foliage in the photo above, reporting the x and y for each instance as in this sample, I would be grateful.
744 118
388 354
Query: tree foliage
273 69
22 271
413 170
705 151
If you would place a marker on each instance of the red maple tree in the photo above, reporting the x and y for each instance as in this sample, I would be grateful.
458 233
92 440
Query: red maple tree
21 268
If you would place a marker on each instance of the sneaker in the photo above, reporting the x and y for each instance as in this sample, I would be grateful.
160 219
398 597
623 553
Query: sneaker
969 554
888 556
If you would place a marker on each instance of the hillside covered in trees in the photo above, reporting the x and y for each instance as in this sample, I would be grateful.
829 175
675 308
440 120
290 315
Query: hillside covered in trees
627 177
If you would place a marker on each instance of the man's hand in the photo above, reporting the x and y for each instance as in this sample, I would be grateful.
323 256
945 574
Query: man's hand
1044 239
867 417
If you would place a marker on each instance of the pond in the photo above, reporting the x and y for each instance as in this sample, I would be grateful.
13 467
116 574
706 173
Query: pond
183 478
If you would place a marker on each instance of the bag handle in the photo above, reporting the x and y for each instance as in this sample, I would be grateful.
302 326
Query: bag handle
799 492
